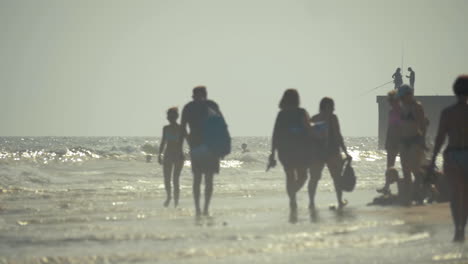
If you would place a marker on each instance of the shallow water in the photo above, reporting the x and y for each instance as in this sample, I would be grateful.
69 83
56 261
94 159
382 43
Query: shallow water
96 200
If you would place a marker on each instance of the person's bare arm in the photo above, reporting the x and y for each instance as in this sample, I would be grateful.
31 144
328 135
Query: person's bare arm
162 145
274 139
440 138
339 136
183 124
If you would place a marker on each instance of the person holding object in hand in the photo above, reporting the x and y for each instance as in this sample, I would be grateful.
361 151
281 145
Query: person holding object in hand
291 135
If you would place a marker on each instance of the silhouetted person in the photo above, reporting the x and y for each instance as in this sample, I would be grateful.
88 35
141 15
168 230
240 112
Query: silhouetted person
290 140
392 141
397 78
331 141
454 125
173 157
244 148
204 164
412 77
412 144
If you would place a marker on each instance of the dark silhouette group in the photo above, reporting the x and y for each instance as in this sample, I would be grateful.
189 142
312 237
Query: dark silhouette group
305 145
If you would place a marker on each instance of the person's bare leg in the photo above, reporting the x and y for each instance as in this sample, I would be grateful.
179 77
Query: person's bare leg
208 192
177 170
464 209
391 157
301 178
315 171
197 177
407 182
291 189
334 165
167 170
460 206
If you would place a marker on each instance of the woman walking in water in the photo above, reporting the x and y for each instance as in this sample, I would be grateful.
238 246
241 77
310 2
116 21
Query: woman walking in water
327 127
454 125
290 140
173 158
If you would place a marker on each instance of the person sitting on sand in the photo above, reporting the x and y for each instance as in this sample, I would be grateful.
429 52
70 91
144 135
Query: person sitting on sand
412 143
331 141
454 125
173 157
244 148
290 138
392 141
387 198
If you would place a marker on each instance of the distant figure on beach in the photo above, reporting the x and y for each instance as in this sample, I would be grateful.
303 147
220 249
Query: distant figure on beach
397 78
329 148
244 148
392 141
412 77
454 125
197 115
412 144
290 140
173 157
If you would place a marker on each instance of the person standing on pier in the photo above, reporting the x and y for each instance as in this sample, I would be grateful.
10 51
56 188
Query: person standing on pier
397 78
411 77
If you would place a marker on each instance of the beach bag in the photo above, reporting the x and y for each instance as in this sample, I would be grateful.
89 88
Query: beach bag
216 136
348 178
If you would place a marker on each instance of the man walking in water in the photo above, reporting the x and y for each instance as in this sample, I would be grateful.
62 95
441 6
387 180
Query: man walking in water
397 78
411 77
204 163
454 126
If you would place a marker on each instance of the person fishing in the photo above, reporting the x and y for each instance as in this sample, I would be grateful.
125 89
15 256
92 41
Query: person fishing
411 77
453 125
397 78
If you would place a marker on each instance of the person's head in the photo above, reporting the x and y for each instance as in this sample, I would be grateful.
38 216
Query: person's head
460 87
289 100
409 69
244 146
172 114
405 93
392 98
199 93
327 105
392 175
398 70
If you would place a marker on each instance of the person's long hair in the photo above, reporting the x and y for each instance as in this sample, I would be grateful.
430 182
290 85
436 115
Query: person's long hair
289 100
325 102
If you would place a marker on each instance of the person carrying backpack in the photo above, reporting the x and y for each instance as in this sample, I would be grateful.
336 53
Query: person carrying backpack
209 141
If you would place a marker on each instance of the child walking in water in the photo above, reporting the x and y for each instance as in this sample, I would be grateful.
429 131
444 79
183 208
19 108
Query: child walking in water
173 157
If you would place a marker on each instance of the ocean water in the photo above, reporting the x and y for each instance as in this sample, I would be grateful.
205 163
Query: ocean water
97 200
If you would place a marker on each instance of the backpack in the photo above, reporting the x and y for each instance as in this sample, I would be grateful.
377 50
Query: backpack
348 178
216 136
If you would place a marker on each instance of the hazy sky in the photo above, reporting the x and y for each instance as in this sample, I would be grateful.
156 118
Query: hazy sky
112 68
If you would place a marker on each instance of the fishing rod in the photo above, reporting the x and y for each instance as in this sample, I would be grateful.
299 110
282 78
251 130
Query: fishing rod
375 88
